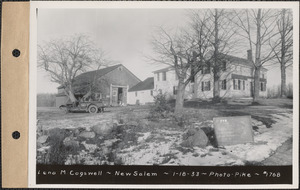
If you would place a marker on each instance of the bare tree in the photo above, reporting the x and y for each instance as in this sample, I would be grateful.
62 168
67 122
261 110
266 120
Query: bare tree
220 34
283 46
184 51
258 27
65 59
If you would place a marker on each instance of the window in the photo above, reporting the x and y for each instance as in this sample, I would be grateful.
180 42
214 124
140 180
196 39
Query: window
263 76
192 75
262 86
157 76
136 93
205 86
224 66
160 91
174 90
236 84
164 76
223 84
151 92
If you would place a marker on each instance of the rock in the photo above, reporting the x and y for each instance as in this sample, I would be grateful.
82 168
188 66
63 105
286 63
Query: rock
102 129
191 131
87 134
207 124
199 139
89 147
71 142
42 139
43 149
115 122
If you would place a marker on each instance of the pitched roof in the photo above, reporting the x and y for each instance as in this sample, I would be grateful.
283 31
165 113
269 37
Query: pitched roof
240 61
91 74
230 58
147 84
164 69
99 73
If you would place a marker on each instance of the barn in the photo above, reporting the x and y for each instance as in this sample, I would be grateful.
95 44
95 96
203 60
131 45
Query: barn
111 83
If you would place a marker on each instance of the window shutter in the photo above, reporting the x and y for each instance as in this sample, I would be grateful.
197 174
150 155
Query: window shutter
202 86
234 87
208 85
225 84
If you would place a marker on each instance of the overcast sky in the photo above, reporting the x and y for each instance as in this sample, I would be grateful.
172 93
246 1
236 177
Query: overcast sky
124 33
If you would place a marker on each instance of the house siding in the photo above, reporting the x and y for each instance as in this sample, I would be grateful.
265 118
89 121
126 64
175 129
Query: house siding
195 90
122 77
167 86
140 97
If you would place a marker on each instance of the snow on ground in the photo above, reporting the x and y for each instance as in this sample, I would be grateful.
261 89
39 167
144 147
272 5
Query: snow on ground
164 147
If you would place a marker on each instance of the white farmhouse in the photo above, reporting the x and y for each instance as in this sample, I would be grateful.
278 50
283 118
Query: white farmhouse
142 93
236 80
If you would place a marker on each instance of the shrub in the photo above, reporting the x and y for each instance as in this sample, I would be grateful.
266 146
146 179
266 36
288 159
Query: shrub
161 107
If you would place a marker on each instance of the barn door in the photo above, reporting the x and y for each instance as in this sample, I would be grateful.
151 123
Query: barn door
125 96
114 97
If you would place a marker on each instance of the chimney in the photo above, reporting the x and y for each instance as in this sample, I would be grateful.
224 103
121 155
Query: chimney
249 55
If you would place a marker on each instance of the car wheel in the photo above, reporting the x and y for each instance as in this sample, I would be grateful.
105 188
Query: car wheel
64 109
93 109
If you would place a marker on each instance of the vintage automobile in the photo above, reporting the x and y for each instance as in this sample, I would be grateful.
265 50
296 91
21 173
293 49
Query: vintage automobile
87 106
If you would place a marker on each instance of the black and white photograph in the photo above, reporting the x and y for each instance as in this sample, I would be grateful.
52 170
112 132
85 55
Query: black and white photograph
165 87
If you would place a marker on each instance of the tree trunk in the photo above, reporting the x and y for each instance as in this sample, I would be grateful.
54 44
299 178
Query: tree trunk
257 64
216 90
216 69
70 94
282 61
180 98
283 81
256 84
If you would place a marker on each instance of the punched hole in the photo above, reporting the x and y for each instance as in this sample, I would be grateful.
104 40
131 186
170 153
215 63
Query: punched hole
16 53
16 135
